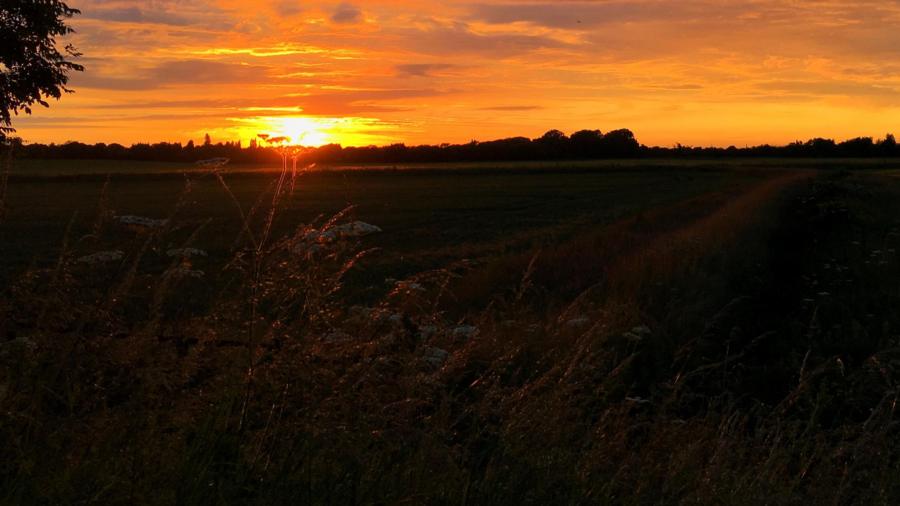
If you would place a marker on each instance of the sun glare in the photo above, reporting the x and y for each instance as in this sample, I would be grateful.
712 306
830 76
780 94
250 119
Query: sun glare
309 131
302 131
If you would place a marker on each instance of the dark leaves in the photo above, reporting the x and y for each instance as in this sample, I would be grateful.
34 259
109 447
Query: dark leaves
31 65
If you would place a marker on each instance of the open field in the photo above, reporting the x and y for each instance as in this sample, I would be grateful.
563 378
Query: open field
429 218
632 335
36 169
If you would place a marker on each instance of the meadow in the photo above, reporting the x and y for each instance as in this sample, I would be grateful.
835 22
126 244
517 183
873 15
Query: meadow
664 332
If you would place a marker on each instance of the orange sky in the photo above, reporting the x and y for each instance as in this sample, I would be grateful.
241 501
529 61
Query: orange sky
707 72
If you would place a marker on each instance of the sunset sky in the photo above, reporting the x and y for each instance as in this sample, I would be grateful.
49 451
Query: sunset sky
700 72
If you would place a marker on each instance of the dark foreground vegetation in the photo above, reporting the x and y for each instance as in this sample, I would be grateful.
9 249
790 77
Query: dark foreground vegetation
737 345
554 145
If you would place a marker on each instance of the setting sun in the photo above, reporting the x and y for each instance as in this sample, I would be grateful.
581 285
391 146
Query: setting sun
302 131
309 131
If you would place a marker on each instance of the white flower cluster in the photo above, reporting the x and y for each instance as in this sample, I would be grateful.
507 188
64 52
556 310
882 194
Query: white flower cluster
102 257
347 230
465 332
408 287
314 240
356 229
185 253
140 221
213 163
577 323
184 272
435 356
639 333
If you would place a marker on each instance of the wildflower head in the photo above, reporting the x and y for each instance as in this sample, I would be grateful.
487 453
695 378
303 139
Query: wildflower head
102 257
213 164
316 240
185 253
140 223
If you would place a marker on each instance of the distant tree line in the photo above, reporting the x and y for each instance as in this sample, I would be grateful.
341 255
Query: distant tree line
554 145
858 147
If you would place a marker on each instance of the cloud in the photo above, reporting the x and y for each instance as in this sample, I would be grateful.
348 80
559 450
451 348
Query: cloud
320 103
584 15
822 88
175 73
137 15
347 14
458 39
513 108
423 69
204 71
289 7
361 101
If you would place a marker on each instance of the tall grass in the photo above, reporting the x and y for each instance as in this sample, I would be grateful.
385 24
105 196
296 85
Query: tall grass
685 355
5 168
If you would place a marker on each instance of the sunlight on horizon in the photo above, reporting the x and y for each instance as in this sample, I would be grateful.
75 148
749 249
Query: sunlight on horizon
303 131
309 131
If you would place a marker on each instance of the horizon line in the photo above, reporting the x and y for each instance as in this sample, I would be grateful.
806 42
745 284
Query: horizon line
676 145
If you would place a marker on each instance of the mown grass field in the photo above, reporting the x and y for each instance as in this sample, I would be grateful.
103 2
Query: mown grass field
631 335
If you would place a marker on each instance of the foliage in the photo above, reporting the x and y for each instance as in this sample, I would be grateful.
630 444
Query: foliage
32 68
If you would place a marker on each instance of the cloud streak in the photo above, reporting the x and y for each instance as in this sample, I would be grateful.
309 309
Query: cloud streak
347 14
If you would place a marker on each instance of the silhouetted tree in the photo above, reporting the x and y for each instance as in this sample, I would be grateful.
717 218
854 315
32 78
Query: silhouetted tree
888 146
620 143
819 147
31 66
858 147
553 136
587 143
553 144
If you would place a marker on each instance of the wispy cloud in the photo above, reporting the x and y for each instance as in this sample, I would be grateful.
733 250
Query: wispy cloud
423 69
347 13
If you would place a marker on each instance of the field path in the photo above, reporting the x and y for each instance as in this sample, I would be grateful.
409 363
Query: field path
645 247
680 246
